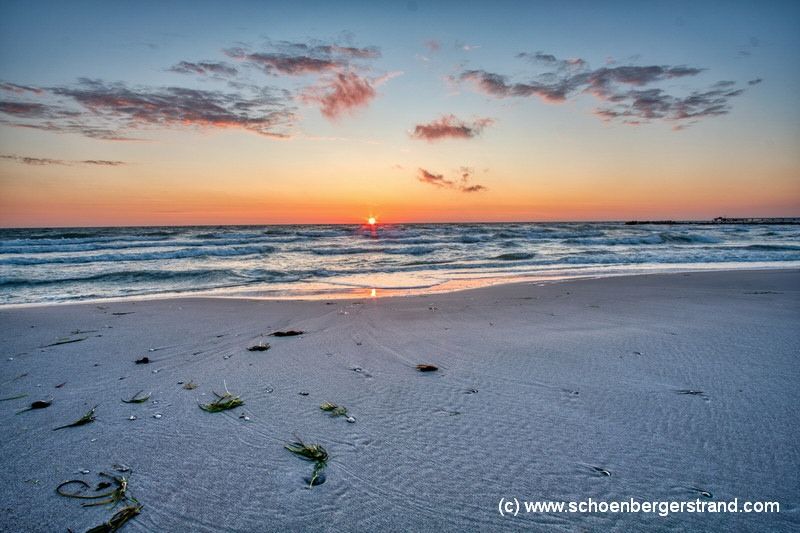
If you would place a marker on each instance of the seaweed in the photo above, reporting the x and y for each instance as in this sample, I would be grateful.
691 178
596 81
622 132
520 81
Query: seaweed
223 402
191 385
113 497
85 419
333 409
65 341
310 452
118 520
38 404
143 361
138 399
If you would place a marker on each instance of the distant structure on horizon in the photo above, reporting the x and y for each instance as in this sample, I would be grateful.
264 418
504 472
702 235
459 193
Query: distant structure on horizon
722 220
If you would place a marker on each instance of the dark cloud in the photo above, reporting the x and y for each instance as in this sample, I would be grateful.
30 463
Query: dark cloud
218 68
462 183
103 162
450 127
112 111
47 161
294 65
625 90
26 109
755 81
19 89
297 59
132 108
339 94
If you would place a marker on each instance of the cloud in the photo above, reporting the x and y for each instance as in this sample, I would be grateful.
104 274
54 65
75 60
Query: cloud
19 89
626 92
47 161
342 93
176 106
461 183
450 127
298 59
112 111
341 86
218 68
755 81
294 65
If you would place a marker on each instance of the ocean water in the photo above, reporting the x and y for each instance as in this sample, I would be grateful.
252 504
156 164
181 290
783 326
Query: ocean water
53 265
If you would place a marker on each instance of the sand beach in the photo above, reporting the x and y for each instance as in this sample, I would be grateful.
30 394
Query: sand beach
677 387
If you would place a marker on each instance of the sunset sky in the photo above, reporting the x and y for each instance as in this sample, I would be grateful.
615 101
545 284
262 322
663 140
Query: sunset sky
149 113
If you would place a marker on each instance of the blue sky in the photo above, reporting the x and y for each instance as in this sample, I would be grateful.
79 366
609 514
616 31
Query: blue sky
533 157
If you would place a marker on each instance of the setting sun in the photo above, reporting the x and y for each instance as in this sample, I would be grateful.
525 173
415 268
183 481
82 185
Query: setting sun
371 221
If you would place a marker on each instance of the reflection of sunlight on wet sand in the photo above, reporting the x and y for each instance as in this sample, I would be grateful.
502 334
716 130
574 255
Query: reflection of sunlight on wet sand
373 293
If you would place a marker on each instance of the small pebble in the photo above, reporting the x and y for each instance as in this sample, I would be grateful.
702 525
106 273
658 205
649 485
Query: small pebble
155 371
304 393
157 415
132 417
84 471
10 358
351 419
92 440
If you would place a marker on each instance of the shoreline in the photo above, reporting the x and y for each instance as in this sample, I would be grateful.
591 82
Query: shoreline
354 292
673 384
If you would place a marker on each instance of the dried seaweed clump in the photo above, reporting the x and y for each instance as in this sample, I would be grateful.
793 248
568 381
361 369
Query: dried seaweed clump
85 419
224 402
311 452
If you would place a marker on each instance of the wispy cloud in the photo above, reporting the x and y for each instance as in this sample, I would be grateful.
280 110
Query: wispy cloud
218 68
450 127
42 161
19 89
460 183
114 110
342 93
342 84
626 90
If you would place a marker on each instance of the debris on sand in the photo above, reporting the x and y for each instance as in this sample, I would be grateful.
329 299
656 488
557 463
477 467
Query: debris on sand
65 340
143 361
260 347
601 471
118 520
333 409
85 419
118 494
427 368
288 333
223 402
702 492
38 404
191 385
311 452
136 398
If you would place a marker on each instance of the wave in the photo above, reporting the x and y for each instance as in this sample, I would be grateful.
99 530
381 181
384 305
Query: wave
517 256
150 256
658 238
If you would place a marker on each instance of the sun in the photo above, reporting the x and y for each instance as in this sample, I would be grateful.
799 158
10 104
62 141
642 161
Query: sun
372 221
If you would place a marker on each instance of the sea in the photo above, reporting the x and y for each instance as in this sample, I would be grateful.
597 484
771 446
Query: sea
332 261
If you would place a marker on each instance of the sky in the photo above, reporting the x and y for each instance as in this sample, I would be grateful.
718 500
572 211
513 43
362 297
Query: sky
192 113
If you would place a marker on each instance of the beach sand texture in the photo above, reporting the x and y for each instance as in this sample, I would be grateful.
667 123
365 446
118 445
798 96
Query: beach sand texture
672 384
